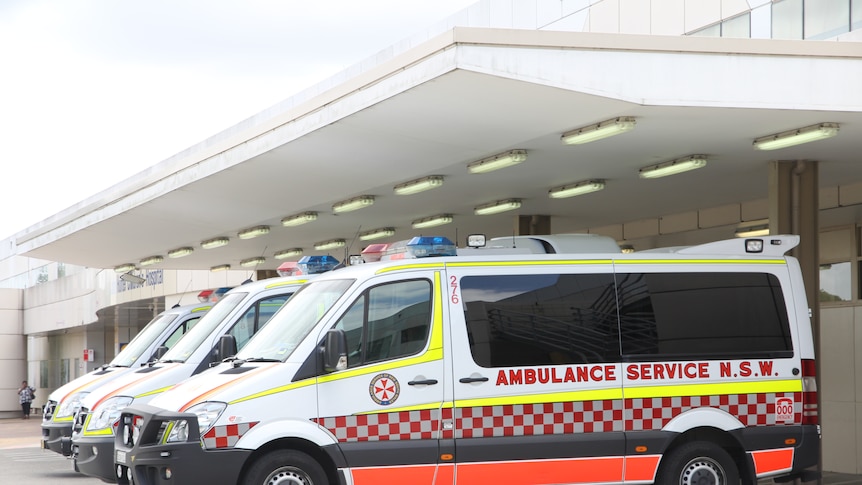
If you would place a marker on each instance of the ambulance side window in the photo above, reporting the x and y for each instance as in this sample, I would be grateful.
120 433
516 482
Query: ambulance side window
547 319
387 322
703 315
254 318
180 331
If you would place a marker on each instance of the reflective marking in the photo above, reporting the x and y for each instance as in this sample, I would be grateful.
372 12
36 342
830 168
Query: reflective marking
768 462
755 387
573 470
641 468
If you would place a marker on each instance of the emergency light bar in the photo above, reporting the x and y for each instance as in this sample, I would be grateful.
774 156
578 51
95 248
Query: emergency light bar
317 264
420 247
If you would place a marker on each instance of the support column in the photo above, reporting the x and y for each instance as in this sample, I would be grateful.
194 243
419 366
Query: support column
793 209
532 225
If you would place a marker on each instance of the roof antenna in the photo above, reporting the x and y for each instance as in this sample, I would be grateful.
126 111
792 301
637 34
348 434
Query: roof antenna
177 304
251 271
346 259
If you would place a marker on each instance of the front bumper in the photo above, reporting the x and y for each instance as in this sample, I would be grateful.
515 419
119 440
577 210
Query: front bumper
150 462
94 456
57 437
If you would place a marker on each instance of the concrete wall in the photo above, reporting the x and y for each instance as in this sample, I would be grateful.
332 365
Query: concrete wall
13 351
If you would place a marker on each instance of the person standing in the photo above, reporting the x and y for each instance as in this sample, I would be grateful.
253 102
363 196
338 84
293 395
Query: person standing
26 394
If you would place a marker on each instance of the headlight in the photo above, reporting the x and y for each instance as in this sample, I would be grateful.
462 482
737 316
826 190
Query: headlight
107 413
131 429
179 432
207 413
70 406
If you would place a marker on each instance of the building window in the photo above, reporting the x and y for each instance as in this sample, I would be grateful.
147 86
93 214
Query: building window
711 31
738 27
826 18
787 19
835 283
856 14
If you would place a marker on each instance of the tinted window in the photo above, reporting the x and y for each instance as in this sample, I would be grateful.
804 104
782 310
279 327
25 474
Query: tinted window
254 318
387 322
180 331
703 315
520 320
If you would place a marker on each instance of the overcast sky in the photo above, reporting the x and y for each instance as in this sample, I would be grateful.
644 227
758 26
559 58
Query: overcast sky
94 91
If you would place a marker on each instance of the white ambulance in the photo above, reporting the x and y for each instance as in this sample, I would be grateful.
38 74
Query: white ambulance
153 340
238 315
684 366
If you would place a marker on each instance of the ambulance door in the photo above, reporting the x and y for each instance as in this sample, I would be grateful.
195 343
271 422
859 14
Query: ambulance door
384 409
537 382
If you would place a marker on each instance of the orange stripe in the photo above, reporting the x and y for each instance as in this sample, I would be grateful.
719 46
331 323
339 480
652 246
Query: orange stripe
130 384
577 470
393 474
87 384
445 474
641 468
231 382
770 461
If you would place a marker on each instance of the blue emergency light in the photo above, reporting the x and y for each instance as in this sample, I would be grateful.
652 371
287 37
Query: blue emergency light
317 264
429 246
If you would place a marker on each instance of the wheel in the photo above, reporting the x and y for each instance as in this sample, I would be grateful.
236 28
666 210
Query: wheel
286 467
698 463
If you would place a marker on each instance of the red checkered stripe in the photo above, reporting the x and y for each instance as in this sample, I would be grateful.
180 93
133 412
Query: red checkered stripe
226 436
749 409
402 425
539 419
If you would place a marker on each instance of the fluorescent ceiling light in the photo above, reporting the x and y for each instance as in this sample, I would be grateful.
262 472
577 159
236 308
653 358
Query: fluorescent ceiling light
180 252
598 131
331 244
123 268
673 167
253 232
221 267
353 204
288 253
797 137
252 261
215 243
753 229
503 160
627 248
377 234
497 207
579 188
299 219
432 221
152 260
418 185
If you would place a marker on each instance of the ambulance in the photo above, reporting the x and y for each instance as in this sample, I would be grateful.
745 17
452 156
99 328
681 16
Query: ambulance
685 365
227 327
155 338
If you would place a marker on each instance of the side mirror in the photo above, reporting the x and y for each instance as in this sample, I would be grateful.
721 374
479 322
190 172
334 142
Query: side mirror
335 351
226 348
160 352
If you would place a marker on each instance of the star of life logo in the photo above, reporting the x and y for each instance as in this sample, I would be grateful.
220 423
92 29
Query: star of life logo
384 389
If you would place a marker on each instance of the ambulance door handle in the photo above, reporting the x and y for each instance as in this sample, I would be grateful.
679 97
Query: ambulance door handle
467 380
423 382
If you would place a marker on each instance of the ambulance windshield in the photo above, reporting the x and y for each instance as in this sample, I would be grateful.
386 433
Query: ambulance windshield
289 327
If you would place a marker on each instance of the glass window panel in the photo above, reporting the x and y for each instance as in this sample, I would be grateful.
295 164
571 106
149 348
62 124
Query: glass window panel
856 15
787 19
835 282
826 18
739 27
711 31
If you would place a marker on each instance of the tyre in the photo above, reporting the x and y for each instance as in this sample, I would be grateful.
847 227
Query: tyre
698 463
286 467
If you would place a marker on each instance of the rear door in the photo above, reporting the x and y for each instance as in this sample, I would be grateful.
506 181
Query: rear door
536 374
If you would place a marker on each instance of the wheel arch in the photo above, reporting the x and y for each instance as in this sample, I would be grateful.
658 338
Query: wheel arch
729 440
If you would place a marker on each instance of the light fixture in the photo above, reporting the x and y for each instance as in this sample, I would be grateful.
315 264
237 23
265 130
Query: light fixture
331 244
377 234
353 204
123 268
216 242
299 219
673 167
497 207
180 252
418 185
152 260
797 137
753 229
245 263
221 267
579 188
432 221
627 248
503 160
253 232
288 253
598 131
